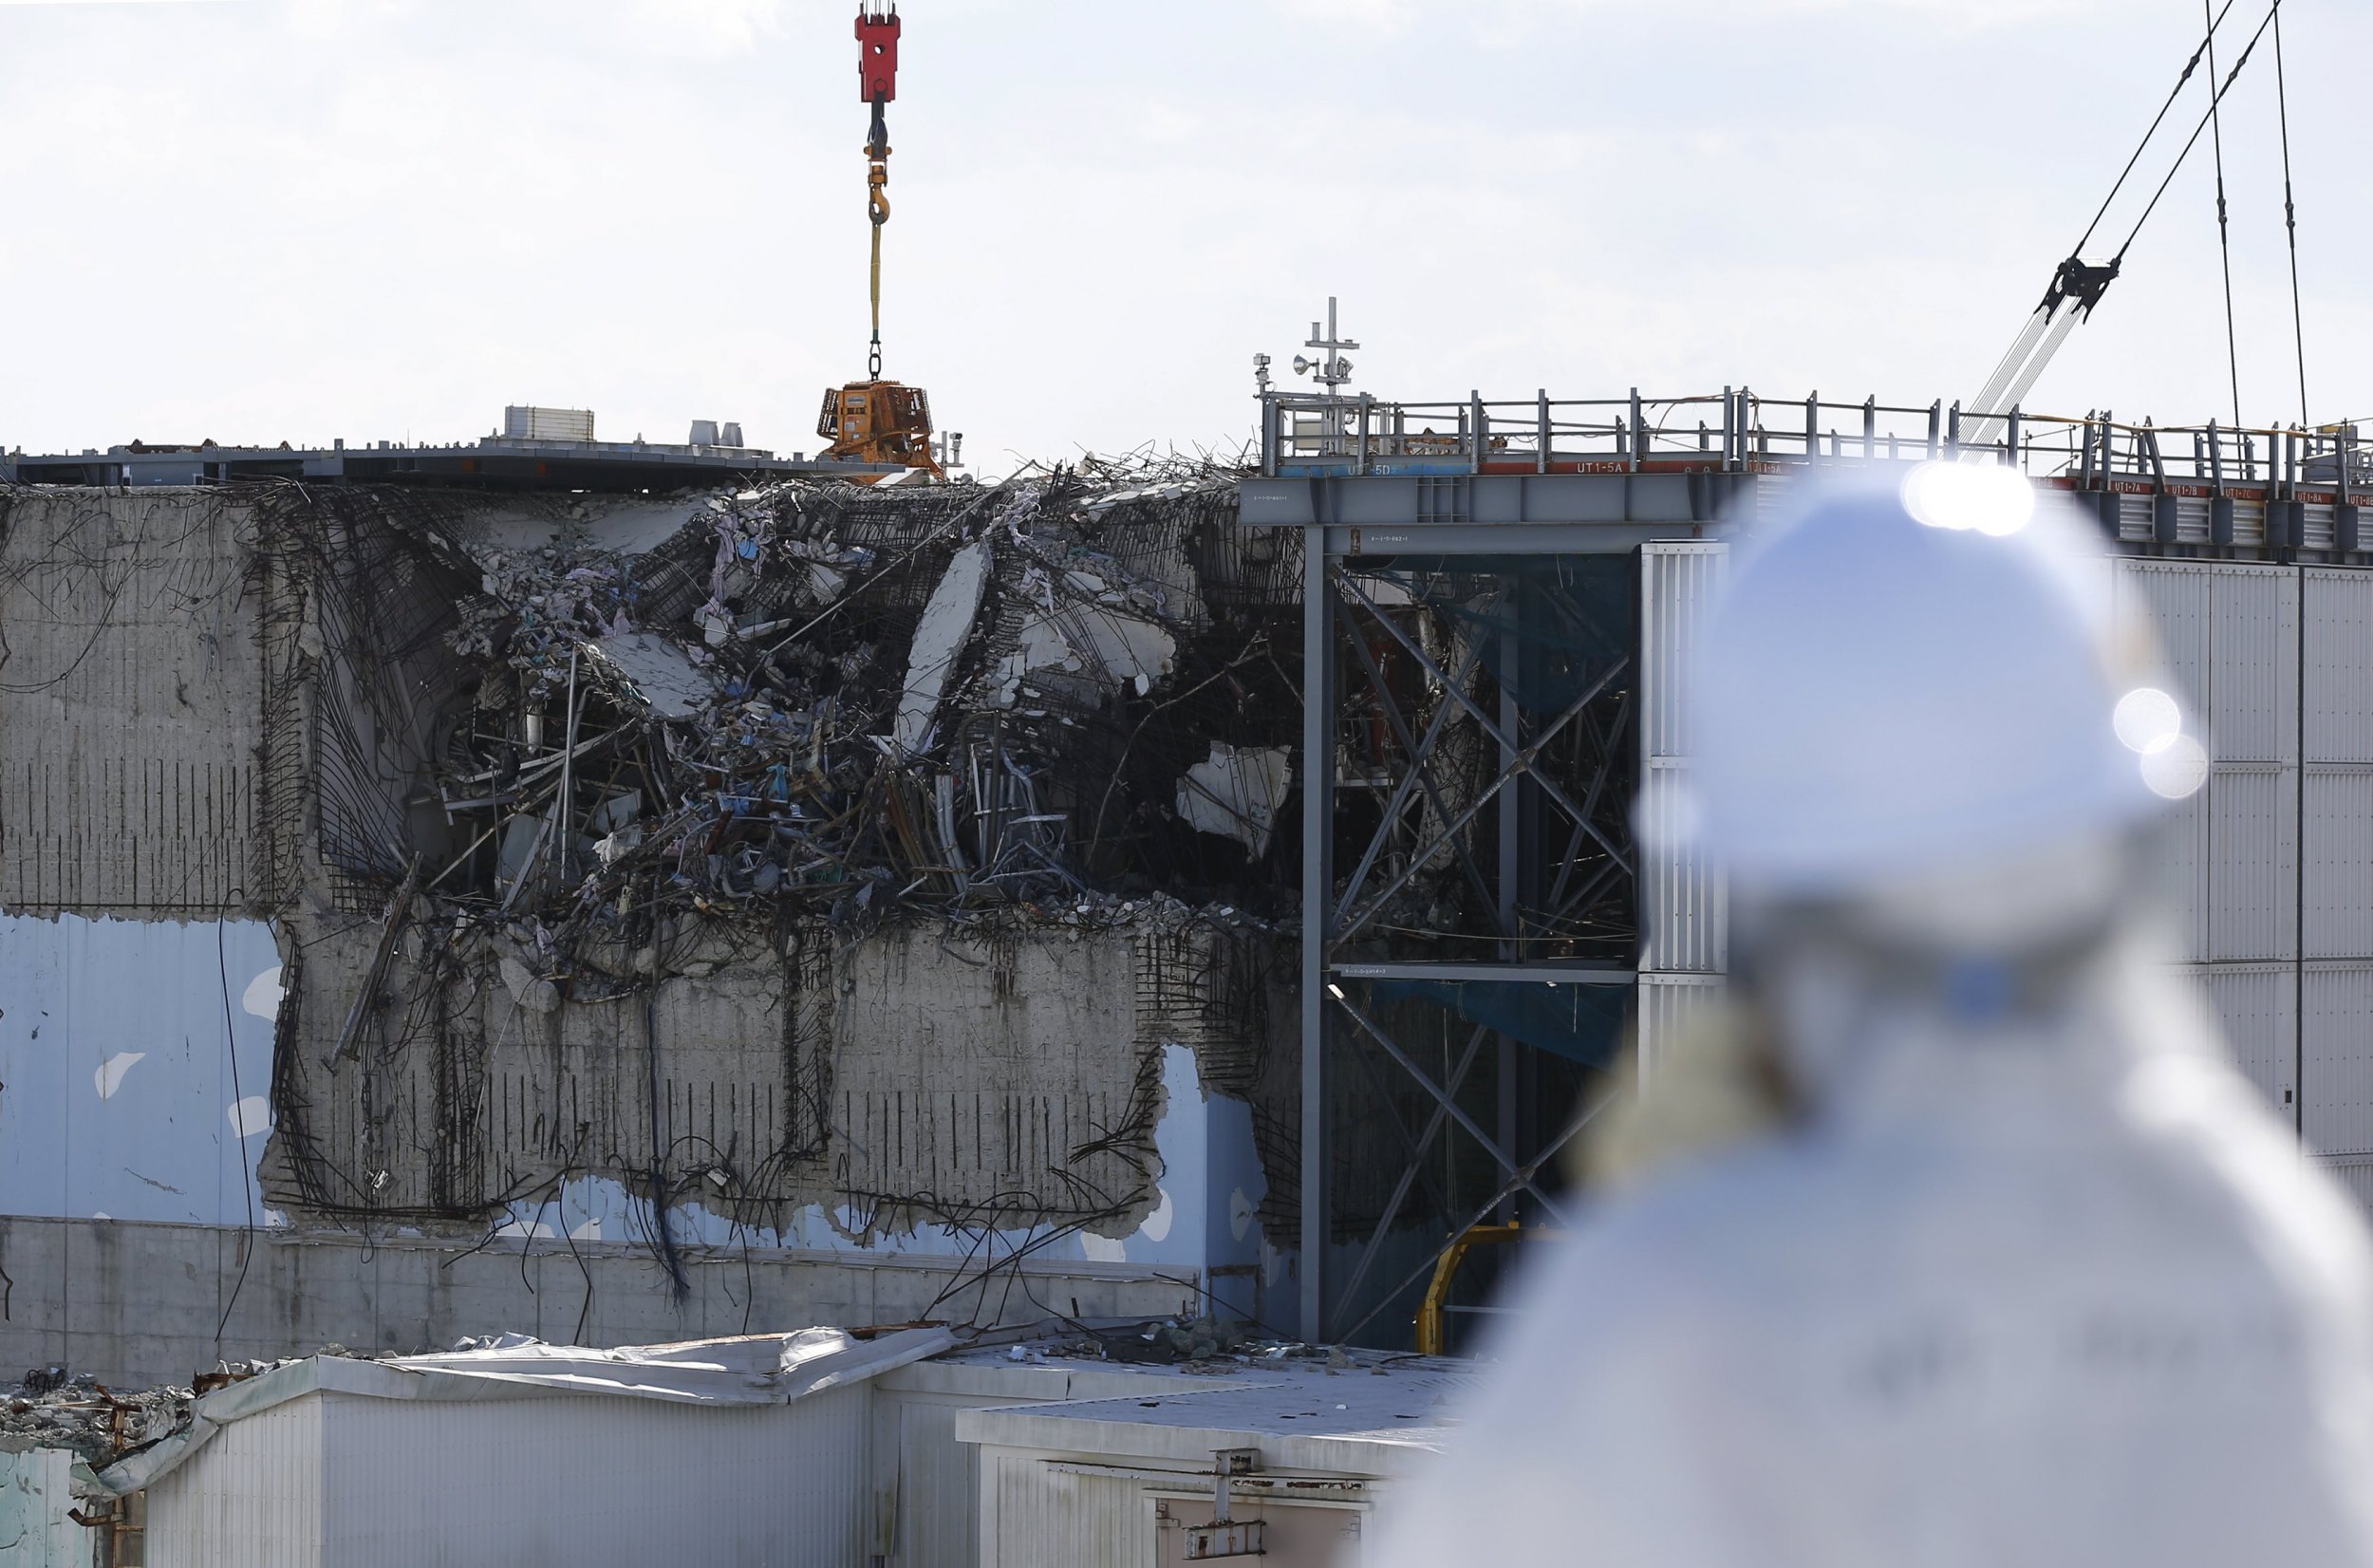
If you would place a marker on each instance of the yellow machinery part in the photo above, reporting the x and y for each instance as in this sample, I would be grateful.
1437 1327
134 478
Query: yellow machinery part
880 421
1433 1309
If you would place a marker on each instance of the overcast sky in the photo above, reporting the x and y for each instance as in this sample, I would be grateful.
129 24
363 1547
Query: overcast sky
388 218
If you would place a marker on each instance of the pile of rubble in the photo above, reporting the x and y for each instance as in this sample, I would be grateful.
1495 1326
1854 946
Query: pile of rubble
827 700
54 1409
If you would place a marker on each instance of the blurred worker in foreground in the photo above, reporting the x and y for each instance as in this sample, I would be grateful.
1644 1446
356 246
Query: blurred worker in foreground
2021 1270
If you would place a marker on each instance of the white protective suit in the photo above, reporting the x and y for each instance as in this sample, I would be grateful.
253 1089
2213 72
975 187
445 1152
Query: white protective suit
2030 1277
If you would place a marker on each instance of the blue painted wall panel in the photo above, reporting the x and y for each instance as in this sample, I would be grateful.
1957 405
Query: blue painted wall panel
135 1068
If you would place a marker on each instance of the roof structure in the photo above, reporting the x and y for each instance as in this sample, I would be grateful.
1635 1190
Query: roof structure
1363 1413
496 462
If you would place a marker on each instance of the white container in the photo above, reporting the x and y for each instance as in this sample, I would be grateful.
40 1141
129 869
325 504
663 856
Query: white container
692 1454
527 422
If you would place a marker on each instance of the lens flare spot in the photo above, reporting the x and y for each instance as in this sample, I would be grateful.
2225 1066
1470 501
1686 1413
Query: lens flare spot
2146 719
1959 496
2175 769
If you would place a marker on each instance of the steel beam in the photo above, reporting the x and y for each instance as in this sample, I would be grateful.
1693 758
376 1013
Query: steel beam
1500 1156
1549 972
1523 755
1409 1176
1317 906
1420 753
1573 1129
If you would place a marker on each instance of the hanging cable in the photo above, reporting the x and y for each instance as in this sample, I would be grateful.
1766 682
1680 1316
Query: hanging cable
2230 78
2224 239
2142 146
2291 213
2077 282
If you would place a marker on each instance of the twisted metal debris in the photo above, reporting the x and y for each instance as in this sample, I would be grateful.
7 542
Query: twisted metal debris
831 699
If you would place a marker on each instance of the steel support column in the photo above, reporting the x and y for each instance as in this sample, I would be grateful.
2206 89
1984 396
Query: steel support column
1319 691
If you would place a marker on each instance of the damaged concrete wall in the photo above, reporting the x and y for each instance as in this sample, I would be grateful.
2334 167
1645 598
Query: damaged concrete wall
917 1076
142 1304
130 701
769 1008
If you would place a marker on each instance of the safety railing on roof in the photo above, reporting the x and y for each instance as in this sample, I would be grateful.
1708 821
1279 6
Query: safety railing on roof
1738 429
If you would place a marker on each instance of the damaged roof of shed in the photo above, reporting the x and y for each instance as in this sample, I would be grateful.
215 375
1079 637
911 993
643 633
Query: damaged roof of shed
1362 1411
741 1371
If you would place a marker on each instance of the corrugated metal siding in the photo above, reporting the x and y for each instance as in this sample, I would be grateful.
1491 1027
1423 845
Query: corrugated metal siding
2338 694
2276 666
2253 838
933 1481
2176 598
249 1498
2252 696
2229 636
579 1480
1685 907
1672 1009
2181 853
2356 1177
2336 1049
2255 1006
1033 1516
2339 864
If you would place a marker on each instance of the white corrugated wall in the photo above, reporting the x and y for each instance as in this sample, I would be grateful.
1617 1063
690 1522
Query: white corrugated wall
1036 1512
926 1486
1034 1516
2336 1057
2336 902
2229 634
1683 906
1672 1011
579 1480
252 1497
2256 1007
2269 868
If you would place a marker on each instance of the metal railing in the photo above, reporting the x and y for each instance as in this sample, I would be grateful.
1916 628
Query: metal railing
1739 429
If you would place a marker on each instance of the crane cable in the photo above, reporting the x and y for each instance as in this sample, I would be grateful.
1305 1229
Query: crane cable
2291 216
877 209
2194 141
2142 146
2224 237
2003 369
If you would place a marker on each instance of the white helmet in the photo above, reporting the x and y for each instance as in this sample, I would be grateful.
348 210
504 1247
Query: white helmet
1916 671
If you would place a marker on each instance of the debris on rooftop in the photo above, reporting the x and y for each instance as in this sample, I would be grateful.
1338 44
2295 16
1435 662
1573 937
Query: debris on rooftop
54 1409
817 697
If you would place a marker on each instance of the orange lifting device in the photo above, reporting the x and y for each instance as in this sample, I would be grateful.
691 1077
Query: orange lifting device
877 420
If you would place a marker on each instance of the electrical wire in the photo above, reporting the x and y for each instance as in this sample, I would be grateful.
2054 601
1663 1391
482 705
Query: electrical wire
238 1099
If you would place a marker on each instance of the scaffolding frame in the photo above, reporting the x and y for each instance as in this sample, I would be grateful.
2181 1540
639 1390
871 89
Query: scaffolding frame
1365 480
1534 902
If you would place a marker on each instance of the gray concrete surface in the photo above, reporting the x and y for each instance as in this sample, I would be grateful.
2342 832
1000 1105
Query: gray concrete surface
141 1304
